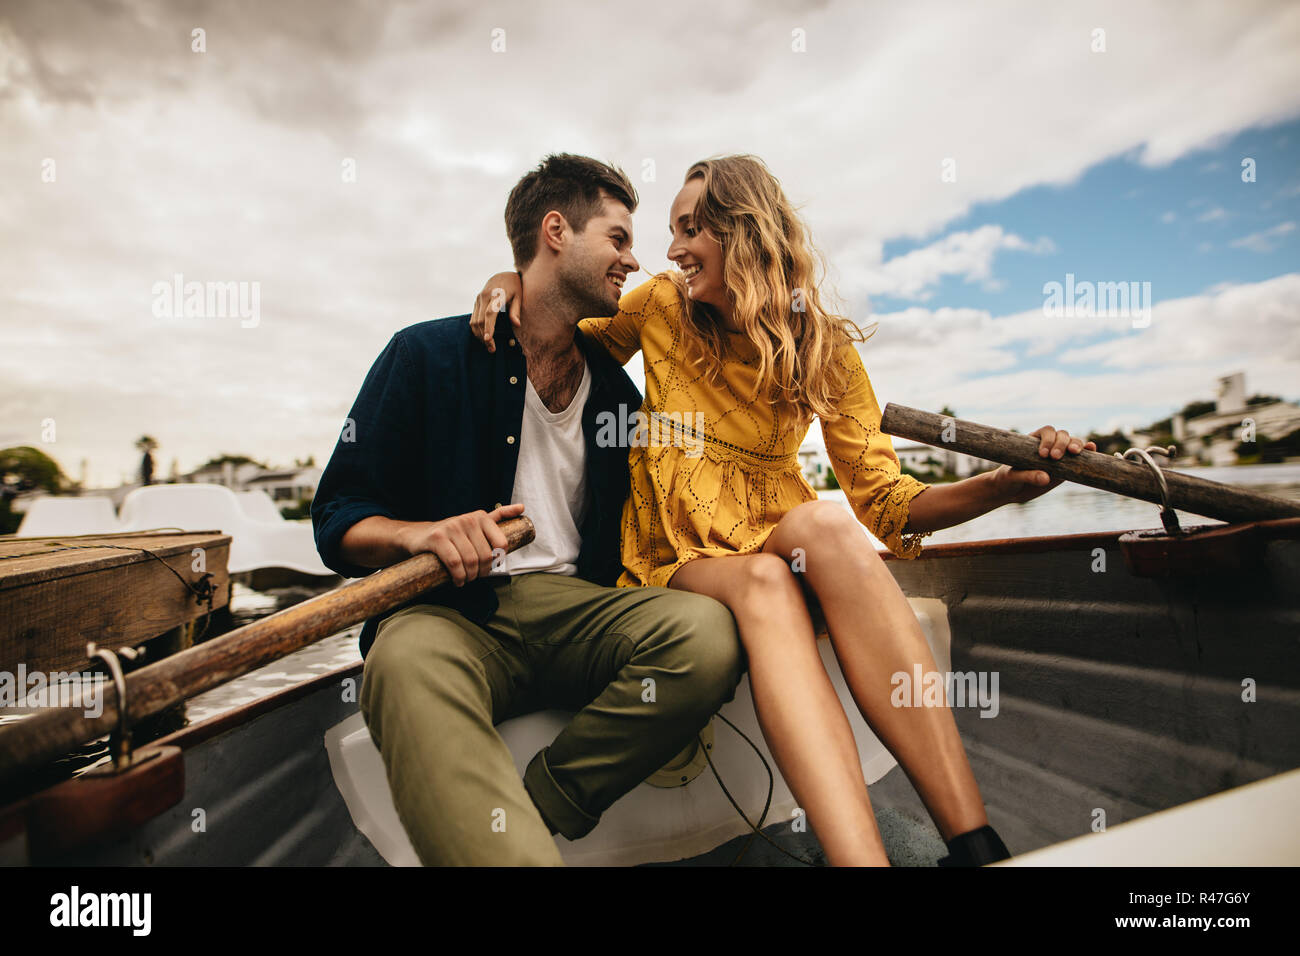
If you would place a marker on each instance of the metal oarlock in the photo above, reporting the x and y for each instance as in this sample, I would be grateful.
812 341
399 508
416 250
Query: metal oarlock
119 742
1167 516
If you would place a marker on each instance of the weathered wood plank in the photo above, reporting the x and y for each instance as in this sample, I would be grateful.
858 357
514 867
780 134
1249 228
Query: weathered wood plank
58 593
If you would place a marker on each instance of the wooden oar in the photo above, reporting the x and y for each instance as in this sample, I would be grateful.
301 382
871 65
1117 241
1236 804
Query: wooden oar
1134 479
49 733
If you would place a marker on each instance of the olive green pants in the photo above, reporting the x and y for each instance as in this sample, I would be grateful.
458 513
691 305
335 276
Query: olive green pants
645 669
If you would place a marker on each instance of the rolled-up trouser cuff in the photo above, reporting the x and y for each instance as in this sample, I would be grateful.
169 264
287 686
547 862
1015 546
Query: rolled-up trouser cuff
561 814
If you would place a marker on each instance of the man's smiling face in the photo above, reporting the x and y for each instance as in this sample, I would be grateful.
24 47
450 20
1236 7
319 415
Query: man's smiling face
597 261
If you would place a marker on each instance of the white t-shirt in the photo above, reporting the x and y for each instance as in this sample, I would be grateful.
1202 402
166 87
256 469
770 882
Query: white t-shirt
551 482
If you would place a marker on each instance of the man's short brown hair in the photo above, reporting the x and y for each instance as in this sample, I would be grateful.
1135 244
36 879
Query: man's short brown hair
571 185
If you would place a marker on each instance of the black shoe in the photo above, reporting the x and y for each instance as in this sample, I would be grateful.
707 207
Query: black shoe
976 848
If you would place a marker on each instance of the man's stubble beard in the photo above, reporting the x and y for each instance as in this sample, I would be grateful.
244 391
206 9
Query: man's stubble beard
583 287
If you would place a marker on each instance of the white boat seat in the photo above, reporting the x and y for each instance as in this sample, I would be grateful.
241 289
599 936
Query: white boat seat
259 506
52 515
202 507
649 824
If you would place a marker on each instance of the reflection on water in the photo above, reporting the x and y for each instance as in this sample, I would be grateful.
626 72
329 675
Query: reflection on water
322 657
1075 509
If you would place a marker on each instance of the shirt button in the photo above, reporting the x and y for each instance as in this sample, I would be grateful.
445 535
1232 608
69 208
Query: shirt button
512 341
496 506
510 439
513 380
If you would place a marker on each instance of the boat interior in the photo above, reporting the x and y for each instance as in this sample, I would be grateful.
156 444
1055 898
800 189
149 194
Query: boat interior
1111 678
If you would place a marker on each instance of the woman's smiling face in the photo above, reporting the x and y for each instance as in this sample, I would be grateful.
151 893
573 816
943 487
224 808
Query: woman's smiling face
697 251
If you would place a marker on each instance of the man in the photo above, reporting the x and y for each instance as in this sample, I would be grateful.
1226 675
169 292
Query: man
442 433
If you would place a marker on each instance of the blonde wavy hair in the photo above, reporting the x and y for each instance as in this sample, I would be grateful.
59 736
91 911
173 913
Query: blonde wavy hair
772 271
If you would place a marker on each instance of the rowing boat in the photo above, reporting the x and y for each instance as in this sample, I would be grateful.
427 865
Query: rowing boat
1112 676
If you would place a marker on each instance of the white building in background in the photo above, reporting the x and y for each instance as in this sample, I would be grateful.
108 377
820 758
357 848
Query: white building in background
287 484
927 458
294 485
233 476
816 463
1214 436
920 458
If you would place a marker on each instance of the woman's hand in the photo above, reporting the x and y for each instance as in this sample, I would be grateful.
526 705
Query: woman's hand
1019 485
502 290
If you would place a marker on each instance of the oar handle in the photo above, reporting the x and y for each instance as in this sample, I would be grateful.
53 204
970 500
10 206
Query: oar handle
49 733
1122 476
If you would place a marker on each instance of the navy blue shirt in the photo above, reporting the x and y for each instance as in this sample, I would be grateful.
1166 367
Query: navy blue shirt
435 433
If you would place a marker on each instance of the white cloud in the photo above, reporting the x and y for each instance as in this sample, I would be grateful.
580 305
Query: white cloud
226 166
996 370
966 254
1213 215
1265 240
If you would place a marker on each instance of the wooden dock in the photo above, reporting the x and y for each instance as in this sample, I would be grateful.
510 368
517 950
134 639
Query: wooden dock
58 593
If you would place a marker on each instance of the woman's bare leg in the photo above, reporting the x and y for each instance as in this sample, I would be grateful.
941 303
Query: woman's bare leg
798 710
876 635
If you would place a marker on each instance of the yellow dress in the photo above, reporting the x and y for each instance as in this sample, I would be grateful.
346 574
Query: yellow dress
723 491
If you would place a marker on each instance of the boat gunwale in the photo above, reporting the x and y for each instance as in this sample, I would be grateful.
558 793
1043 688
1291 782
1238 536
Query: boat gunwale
1279 528
116 555
237 716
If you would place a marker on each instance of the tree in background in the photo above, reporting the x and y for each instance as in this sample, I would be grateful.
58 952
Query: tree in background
24 469
1269 451
1110 444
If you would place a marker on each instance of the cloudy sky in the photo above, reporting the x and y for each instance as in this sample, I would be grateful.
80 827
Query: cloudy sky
353 159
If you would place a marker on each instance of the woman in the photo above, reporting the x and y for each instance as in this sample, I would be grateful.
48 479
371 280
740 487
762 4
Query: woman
740 335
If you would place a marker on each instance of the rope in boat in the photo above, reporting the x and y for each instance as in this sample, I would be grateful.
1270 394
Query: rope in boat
766 806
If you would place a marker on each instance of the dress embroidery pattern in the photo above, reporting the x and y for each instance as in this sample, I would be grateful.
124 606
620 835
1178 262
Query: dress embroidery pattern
723 491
